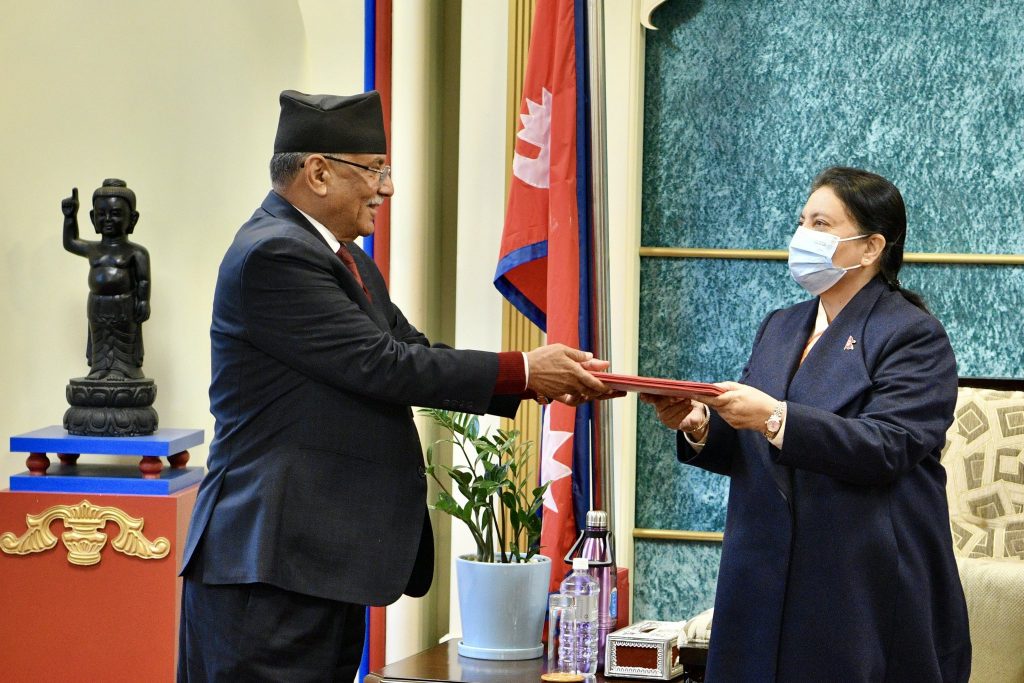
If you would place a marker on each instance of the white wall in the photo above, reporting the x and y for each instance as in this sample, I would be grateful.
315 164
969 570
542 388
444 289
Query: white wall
481 211
334 45
178 99
624 59
414 223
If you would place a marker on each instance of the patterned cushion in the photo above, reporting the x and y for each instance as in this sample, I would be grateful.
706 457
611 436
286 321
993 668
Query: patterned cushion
984 461
994 590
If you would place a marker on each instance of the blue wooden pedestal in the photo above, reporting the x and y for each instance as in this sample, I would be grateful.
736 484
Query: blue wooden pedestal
148 478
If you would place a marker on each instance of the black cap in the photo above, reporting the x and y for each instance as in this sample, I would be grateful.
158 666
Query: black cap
331 123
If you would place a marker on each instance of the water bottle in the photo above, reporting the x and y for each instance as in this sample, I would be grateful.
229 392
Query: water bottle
561 634
595 544
585 591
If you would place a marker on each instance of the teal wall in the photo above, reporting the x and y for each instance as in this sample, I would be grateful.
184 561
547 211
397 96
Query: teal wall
746 100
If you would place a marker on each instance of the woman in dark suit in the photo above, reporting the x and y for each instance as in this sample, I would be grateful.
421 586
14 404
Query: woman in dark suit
837 561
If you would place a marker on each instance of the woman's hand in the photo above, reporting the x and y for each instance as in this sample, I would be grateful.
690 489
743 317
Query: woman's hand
742 406
677 413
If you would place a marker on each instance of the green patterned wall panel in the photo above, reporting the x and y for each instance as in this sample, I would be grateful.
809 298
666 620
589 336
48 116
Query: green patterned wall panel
982 308
674 581
746 101
698 318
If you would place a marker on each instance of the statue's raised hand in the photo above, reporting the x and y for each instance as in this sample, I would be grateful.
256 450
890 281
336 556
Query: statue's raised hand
70 204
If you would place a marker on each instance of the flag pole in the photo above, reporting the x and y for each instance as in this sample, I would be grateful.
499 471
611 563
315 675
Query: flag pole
599 199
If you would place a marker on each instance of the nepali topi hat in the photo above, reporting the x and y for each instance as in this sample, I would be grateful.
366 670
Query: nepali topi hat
351 124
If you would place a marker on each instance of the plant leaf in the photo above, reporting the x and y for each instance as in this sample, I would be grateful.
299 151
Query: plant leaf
496 464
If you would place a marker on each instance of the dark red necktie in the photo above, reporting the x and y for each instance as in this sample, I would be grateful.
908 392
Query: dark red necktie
350 263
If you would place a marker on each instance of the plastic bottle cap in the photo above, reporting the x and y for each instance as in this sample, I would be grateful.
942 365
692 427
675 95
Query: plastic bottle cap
580 563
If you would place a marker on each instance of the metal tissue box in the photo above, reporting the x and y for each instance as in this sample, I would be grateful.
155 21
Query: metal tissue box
646 649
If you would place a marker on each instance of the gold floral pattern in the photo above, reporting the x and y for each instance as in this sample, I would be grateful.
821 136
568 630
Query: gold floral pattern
83 538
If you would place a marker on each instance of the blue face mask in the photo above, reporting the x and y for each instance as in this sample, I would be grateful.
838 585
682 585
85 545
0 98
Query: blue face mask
810 259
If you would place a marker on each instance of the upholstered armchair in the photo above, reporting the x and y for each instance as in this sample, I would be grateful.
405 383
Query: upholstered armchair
984 461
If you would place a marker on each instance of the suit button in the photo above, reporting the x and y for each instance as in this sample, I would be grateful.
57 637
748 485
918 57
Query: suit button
422 471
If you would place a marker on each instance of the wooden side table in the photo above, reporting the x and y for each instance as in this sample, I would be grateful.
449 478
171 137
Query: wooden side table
442 664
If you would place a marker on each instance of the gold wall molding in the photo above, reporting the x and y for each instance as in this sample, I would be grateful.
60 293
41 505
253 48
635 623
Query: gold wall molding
83 538
677 535
782 255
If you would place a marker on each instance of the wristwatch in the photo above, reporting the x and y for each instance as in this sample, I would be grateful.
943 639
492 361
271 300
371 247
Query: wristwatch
774 422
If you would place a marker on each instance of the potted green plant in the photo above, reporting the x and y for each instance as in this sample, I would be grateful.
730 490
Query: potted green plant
503 586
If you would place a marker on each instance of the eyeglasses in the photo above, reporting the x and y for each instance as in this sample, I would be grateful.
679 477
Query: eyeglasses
384 171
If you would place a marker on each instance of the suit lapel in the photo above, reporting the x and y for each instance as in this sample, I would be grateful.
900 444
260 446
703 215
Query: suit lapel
832 375
834 372
775 359
778 354
376 307
278 206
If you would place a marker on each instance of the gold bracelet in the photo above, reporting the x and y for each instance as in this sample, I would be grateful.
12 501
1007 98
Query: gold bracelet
703 425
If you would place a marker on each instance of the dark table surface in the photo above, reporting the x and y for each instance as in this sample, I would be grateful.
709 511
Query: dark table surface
443 664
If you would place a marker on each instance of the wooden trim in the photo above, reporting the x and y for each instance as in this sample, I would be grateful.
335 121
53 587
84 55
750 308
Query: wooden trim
782 255
677 535
517 332
998 383
966 259
688 252
382 83
382 27
520 25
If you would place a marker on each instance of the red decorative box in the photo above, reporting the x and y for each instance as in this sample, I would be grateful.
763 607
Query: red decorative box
90 585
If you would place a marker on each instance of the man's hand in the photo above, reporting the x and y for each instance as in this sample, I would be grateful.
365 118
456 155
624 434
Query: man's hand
595 366
560 372
742 406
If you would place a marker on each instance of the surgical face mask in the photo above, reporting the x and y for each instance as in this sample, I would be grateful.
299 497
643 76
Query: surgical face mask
810 259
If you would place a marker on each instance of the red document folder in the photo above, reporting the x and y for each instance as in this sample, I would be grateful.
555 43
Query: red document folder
654 385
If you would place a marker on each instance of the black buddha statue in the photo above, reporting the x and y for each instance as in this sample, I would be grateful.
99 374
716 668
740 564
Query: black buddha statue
115 398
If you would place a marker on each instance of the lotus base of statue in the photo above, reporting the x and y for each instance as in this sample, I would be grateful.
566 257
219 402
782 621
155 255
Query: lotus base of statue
111 407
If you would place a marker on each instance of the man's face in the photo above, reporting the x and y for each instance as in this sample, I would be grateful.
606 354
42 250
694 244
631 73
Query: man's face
355 195
112 216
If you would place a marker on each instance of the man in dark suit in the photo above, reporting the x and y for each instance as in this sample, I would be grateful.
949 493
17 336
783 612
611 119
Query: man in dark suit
315 501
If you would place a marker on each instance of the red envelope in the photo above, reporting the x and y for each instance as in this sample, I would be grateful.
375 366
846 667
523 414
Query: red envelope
655 385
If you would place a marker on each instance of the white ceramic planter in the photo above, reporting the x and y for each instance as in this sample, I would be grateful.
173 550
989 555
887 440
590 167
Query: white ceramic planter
502 607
